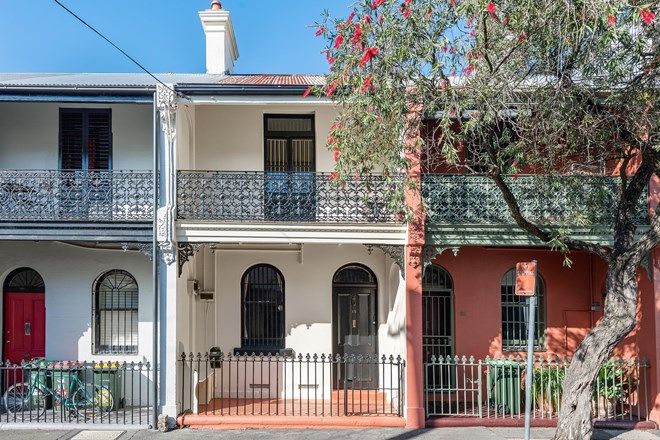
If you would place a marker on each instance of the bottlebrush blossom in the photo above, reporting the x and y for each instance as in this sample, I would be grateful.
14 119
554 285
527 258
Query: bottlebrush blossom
338 41
376 3
330 90
350 18
368 55
320 31
307 92
357 35
333 176
491 8
469 70
647 16
611 20
368 84
336 153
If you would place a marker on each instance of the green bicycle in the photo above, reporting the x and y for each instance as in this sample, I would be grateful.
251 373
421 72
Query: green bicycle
79 398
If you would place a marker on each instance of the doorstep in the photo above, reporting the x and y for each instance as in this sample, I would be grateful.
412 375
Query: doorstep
456 422
196 421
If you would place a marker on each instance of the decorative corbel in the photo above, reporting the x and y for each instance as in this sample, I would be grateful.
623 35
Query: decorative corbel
186 251
431 252
145 249
396 253
166 103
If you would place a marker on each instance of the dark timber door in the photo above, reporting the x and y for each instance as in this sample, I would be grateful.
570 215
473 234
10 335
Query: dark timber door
354 291
289 166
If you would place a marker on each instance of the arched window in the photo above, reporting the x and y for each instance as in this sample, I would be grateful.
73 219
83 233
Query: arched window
437 312
514 313
24 279
262 317
115 313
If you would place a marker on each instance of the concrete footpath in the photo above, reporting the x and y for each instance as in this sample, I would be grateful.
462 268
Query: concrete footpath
315 434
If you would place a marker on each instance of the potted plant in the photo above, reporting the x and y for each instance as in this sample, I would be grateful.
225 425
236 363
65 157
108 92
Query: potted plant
609 389
547 389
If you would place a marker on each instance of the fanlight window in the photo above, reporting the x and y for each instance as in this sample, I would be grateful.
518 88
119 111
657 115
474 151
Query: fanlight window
24 280
514 313
116 298
354 274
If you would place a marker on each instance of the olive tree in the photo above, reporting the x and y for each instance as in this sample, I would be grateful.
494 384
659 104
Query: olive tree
549 87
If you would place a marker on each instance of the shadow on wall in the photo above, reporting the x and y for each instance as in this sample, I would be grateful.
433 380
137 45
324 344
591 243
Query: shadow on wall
396 318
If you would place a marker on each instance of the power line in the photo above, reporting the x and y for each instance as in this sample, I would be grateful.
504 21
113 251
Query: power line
111 43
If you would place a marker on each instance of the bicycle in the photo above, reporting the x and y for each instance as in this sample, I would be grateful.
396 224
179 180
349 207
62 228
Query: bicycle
81 399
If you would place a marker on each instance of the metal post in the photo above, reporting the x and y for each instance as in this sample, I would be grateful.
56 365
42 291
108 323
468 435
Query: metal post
530 365
154 267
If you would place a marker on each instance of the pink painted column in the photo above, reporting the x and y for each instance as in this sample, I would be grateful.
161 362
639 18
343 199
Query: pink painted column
415 413
654 358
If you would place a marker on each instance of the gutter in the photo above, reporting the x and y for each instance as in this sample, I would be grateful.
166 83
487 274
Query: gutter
241 90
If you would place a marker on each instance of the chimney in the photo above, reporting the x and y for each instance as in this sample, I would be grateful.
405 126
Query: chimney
221 48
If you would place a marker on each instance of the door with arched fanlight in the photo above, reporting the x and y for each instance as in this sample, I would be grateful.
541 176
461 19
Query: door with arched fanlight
24 316
437 313
354 291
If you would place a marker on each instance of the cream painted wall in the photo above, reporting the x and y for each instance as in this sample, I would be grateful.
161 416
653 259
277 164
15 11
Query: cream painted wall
29 135
69 273
231 138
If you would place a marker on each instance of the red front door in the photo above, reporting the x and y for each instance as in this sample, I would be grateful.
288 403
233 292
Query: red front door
24 326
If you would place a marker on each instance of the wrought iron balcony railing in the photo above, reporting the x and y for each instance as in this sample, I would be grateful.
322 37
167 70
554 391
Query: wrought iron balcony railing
76 195
571 201
285 197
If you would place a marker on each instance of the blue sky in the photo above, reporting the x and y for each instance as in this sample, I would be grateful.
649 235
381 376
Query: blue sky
165 36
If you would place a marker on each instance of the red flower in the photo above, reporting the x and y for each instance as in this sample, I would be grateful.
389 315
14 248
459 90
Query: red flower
328 57
350 18
335 153
453 3
611 20
522 37
491 8
330 90
368 84
357 34
376 3
333 176
338 41
443 84
321 30
647 16
406 13
307 92
469 70
368 55
367 19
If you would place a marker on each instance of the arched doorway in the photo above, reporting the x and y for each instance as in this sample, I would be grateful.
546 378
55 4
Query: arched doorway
354 324
24 316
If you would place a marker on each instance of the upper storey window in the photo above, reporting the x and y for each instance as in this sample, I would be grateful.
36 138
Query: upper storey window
85 139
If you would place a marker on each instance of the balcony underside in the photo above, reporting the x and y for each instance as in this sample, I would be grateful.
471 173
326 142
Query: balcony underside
77 231
293 233
509 235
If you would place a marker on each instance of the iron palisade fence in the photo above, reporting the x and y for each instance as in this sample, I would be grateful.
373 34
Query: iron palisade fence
110 393
288 385
494 388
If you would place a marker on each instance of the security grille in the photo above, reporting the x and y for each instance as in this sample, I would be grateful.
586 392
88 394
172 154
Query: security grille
263 310
437 322
116 313
514 315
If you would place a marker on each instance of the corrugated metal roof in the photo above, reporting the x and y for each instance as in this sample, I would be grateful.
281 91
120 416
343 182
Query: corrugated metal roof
102 79
273 80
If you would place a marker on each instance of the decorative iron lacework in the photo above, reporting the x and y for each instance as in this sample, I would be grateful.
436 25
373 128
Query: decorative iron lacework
559 201
79 195
284 196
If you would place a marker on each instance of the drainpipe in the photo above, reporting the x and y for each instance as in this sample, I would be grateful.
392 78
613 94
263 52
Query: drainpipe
154 265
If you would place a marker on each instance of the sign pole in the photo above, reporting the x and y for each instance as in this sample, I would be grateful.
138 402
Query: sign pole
530 365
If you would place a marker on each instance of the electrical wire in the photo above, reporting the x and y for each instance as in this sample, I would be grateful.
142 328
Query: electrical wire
112 44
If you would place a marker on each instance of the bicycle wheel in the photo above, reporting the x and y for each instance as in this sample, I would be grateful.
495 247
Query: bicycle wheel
19 399
93 401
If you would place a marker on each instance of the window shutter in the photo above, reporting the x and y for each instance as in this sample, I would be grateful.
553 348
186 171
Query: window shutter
71 139
85 139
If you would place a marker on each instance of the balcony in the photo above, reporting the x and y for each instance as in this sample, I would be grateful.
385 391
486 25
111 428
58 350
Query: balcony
104 205
285 197
470 210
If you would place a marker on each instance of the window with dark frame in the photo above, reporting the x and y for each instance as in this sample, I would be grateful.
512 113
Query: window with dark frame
85 139
116 298
514 313
262 314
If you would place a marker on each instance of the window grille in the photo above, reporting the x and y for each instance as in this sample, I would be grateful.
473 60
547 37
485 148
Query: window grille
514 314
437 313
116 313
262 309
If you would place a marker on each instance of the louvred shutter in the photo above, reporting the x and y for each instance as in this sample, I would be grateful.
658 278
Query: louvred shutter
71 140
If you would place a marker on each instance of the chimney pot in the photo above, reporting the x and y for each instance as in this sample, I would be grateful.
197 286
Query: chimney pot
216 5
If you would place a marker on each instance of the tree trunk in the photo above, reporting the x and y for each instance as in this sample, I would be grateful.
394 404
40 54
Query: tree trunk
618 320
